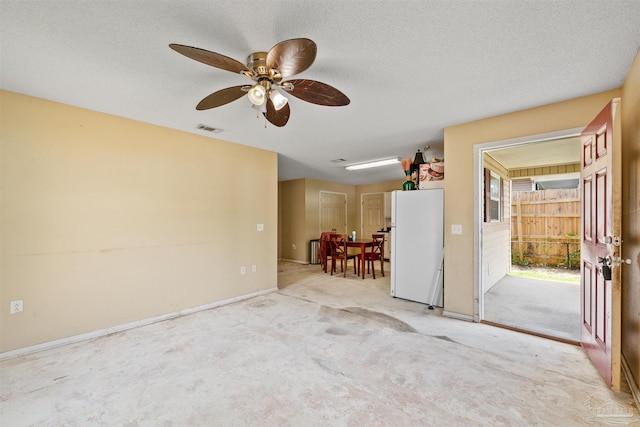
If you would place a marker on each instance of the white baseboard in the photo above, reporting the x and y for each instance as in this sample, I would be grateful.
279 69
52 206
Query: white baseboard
119 328
635 391
297 261
458 316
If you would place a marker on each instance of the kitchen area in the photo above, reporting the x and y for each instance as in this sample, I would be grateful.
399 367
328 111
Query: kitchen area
366 210
412 223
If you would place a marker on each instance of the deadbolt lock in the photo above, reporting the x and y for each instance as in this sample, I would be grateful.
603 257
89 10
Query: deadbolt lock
612 240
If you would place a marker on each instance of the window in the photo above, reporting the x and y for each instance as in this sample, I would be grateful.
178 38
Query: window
493 194
494 197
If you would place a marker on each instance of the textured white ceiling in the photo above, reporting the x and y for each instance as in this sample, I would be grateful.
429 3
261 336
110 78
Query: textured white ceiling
410 68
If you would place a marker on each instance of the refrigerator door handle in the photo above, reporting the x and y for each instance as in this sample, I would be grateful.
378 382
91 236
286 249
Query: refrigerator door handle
393 208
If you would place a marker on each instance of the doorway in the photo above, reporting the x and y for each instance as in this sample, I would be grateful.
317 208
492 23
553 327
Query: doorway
333 212
374 217
540 296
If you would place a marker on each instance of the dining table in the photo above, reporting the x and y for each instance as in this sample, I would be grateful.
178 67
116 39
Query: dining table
362 244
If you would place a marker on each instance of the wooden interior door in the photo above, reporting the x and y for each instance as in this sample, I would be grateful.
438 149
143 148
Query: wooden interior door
601 213
372 214
333 212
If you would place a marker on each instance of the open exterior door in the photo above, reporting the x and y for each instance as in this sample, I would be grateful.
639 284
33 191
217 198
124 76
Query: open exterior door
600 250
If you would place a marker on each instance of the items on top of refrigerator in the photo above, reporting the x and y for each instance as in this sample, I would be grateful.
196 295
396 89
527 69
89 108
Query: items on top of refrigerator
433 171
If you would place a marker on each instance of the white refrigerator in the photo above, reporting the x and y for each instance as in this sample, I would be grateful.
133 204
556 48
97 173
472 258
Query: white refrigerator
417 245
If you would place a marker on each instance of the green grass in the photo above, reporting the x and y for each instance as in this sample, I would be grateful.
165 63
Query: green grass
533 274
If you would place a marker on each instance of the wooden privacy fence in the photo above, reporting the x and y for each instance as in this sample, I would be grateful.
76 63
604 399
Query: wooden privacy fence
545 228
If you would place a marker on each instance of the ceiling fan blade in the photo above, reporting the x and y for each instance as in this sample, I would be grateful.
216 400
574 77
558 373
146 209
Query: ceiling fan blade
292 56
221 97
317 93
210 58
277 117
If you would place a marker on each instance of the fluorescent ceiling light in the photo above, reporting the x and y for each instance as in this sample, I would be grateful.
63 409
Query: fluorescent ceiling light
373 164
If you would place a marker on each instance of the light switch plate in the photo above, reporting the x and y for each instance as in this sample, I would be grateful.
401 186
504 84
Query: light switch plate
260 227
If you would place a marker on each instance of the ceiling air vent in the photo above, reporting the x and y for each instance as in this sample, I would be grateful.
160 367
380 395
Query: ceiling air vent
338 160
209 128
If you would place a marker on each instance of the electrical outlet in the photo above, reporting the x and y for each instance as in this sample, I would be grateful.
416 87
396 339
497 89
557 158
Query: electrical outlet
254 268
260 227
16 306
243 269
456 229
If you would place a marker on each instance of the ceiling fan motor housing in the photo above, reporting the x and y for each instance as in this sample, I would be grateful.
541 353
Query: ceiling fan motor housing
257 62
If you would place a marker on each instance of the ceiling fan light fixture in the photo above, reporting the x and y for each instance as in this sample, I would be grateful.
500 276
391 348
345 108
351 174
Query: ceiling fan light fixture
261 108
257 94
373 164
278 99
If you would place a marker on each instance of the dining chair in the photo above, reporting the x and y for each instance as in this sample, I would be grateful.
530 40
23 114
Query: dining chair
339 252
376 253
325 248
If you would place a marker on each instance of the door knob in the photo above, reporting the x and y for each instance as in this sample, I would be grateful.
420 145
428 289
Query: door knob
619 261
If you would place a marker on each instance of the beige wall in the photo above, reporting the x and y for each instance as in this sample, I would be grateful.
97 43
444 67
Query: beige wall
301 222
381 187
313 189
631 219
300 211
300 202
107 221
459 182
292 217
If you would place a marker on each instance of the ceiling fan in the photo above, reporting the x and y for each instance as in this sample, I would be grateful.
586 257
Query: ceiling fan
267 70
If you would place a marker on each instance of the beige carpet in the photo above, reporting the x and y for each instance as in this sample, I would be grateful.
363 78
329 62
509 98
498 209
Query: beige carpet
324 351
